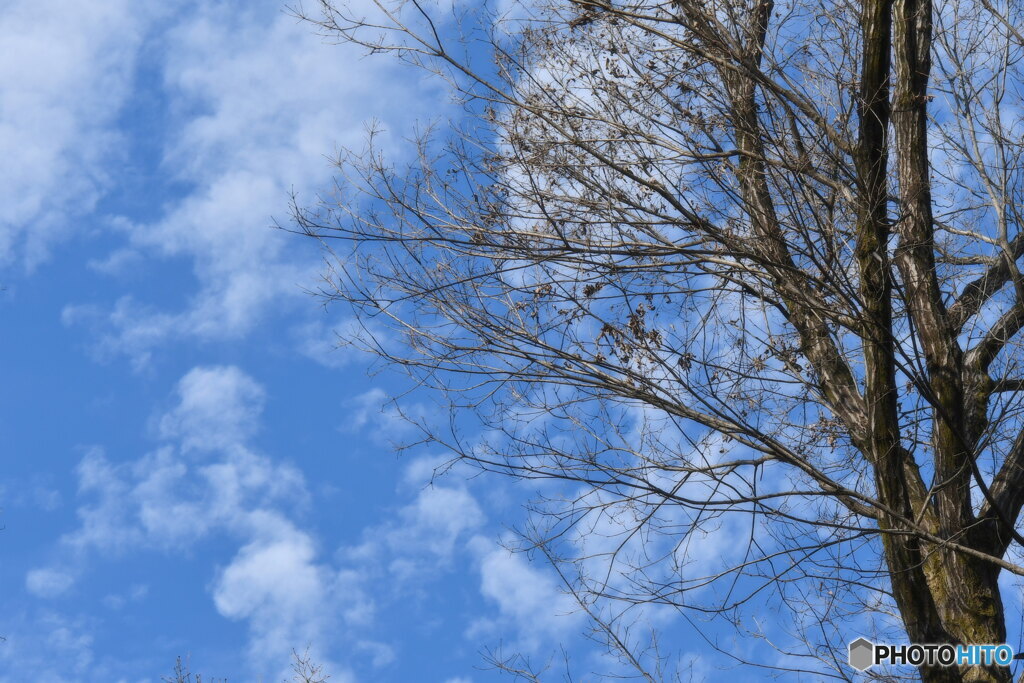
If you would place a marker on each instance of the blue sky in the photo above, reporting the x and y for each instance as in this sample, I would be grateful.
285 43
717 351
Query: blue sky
190 468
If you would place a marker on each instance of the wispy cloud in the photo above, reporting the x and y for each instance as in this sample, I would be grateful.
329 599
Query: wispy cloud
48 648
532 604
67 71
48 582
260 102
218 407
206 481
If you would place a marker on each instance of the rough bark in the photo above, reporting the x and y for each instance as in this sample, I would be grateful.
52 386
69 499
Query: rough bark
961 591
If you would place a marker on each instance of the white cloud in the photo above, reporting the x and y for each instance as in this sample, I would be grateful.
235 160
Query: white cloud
427 469
35 492
166 500
425 538
435 520
47 648
287 595
103 522
275 570
420 539
374 414
332 345
218 407
530 600
259 100
135 593
276 585
381 654
48 582
66 72
206 481
369 407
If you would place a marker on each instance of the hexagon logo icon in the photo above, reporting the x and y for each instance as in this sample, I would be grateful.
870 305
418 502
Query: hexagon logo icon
862 654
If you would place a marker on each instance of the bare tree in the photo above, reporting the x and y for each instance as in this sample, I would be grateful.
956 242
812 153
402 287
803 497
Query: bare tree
304 670
740 273
183 673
